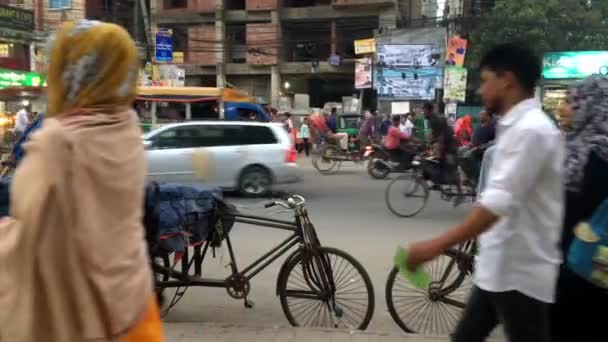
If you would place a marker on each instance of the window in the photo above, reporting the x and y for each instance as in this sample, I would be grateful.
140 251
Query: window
179 137
170 4
213 135
60 4
256 135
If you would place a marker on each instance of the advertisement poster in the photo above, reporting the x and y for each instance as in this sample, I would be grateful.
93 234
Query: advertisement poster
164 46
408 72
455 87
363 73
457 49
574 64
364 46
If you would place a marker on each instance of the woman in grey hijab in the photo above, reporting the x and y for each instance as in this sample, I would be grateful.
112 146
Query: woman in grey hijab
579 307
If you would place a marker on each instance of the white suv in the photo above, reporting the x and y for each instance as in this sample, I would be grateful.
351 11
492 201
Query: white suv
245 156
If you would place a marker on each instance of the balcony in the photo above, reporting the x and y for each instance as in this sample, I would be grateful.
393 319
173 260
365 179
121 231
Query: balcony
360 3
186 6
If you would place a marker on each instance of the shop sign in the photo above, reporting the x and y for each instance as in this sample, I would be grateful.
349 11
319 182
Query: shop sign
16 78
16 18
574 64
364 46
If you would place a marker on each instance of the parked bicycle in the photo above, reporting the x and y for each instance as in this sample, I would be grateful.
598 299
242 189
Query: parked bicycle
436 309
318 286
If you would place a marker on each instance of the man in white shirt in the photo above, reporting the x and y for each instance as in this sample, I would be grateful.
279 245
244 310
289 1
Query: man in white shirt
22 120
519 214
406 125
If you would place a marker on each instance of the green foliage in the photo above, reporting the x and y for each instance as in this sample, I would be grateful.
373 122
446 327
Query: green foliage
544 25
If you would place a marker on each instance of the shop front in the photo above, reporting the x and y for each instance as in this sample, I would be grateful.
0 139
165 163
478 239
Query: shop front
562 69
18 89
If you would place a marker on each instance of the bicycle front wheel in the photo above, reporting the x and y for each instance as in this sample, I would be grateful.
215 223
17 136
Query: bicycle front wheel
435 310
406 196
350 306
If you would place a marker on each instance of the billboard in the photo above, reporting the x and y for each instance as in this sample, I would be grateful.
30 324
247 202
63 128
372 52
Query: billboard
455 84
457 48
408 72
574 64
363 73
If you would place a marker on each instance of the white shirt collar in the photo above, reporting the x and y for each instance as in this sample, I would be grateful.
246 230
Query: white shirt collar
516 112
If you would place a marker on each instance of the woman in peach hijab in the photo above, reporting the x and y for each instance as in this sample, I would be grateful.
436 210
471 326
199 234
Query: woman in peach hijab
73 259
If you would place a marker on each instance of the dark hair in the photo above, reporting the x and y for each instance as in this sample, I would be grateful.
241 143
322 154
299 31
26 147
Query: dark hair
521 61
288 114
428 105
396 119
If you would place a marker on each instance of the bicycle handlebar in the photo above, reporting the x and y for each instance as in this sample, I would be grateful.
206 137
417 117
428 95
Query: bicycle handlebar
292 202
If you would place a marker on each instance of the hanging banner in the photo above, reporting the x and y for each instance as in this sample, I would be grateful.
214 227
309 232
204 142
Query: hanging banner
363 73
457 49
164 46
365 46
408 72
455 87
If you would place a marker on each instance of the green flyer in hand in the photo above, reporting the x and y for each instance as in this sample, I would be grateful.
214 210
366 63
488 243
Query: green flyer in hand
419 278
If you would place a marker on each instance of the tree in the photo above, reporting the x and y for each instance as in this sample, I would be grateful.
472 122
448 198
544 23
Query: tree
544 25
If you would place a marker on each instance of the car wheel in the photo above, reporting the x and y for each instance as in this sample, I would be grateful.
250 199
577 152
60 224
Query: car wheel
255 181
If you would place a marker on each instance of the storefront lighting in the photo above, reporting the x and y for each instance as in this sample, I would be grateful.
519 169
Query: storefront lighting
25 102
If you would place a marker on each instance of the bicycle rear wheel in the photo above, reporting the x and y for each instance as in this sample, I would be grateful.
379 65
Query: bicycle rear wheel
304 304
325 161
435 310
406 196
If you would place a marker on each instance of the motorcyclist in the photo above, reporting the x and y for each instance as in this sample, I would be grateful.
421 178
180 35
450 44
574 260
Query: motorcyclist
392 143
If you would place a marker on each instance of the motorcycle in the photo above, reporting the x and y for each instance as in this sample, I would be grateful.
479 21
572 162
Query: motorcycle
381 164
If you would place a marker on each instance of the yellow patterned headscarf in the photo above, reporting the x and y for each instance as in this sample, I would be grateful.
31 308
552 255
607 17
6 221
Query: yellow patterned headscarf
92 64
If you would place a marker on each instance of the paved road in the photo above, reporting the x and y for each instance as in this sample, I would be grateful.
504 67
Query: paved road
349 213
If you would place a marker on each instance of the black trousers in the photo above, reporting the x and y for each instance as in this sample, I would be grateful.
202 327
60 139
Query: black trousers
306 144
525 319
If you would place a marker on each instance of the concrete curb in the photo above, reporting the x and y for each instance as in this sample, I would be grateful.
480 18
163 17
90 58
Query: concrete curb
191 332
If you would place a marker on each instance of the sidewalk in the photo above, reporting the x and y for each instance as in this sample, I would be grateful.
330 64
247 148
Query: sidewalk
195 332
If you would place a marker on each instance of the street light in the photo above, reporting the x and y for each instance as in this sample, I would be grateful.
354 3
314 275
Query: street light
286 85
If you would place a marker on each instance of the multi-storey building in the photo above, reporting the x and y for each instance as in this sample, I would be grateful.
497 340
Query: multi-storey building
270 47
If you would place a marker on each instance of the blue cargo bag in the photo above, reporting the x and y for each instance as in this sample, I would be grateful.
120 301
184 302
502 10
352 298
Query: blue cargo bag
588 254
